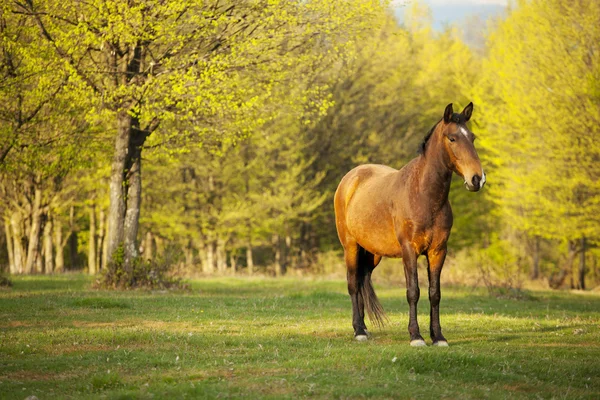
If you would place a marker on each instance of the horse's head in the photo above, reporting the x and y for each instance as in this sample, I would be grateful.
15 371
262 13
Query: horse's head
460 154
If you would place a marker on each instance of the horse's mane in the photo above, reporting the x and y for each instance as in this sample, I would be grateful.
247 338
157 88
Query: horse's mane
422 146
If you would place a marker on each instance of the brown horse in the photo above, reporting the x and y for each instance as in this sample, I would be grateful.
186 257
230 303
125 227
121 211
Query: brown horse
383 212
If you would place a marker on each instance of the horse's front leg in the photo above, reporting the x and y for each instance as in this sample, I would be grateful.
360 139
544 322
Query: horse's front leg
409 258
435 262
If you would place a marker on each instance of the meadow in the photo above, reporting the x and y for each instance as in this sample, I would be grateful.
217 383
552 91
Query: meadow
288 338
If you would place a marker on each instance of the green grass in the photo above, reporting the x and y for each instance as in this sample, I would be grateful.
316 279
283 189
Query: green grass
267 338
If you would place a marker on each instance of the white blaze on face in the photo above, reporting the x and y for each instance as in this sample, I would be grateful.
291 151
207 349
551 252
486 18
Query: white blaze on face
464 132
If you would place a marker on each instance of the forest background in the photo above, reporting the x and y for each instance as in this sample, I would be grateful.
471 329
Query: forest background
208 137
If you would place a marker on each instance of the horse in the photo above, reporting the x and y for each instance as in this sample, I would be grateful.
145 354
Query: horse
384 212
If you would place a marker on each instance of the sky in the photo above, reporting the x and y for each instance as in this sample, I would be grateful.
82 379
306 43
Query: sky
455 11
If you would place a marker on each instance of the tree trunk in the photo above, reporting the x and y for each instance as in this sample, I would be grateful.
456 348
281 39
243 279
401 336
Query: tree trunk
581 283
100 243
535 267
126 186
73 240
189 256
233 262
92 266
148 247
39 258
277 255
201 246
221 257
159 246
287 260
116 211
18 250
202 254
314 246
210 258
304 245
34 233
134 197
48 256
59 261
104 263
247 158
571 261
249 260
9 246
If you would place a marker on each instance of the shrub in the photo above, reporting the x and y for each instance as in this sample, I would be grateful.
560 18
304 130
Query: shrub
5 282
150 274
499 267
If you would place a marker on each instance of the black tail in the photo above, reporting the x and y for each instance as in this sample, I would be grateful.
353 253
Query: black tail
372 304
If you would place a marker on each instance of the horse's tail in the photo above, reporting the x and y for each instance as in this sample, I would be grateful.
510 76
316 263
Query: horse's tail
372 304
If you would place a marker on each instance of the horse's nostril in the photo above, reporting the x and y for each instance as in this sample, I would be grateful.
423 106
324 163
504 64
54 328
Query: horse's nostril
476 180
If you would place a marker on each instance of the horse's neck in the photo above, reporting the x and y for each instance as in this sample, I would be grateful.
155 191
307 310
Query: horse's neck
433 177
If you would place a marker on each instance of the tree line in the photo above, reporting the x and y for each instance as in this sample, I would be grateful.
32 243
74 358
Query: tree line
213 134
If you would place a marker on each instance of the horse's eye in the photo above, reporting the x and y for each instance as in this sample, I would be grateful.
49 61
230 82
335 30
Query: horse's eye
451 139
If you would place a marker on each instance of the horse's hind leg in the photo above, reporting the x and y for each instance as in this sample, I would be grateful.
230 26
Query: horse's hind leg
354 275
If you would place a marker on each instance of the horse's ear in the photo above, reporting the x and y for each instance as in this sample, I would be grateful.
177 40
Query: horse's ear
468 111
448 113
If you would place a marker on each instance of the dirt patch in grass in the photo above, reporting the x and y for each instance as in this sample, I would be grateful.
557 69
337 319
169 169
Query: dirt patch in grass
16 324
62 349
520 388
164 325
27 324
281 387
77 348
246 380
101 303
91 324
35 376
558 345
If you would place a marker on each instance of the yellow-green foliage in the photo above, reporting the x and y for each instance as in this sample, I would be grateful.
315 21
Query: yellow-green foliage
541 115
260 107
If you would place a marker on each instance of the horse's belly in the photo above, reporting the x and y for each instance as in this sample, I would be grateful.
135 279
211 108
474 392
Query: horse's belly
389 248
374 233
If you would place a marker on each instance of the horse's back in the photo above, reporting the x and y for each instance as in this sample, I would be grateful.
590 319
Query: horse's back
364 178
363 175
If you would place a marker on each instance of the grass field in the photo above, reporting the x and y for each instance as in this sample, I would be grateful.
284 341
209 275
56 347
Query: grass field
267 338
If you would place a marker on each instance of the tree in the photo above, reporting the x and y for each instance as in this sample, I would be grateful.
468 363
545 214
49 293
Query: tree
541 111
43 137
152 61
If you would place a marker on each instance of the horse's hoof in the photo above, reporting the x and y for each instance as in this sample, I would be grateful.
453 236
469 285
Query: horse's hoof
441 343
418 343
361 338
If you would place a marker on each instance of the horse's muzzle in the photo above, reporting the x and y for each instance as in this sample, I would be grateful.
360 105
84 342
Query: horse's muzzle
476 183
